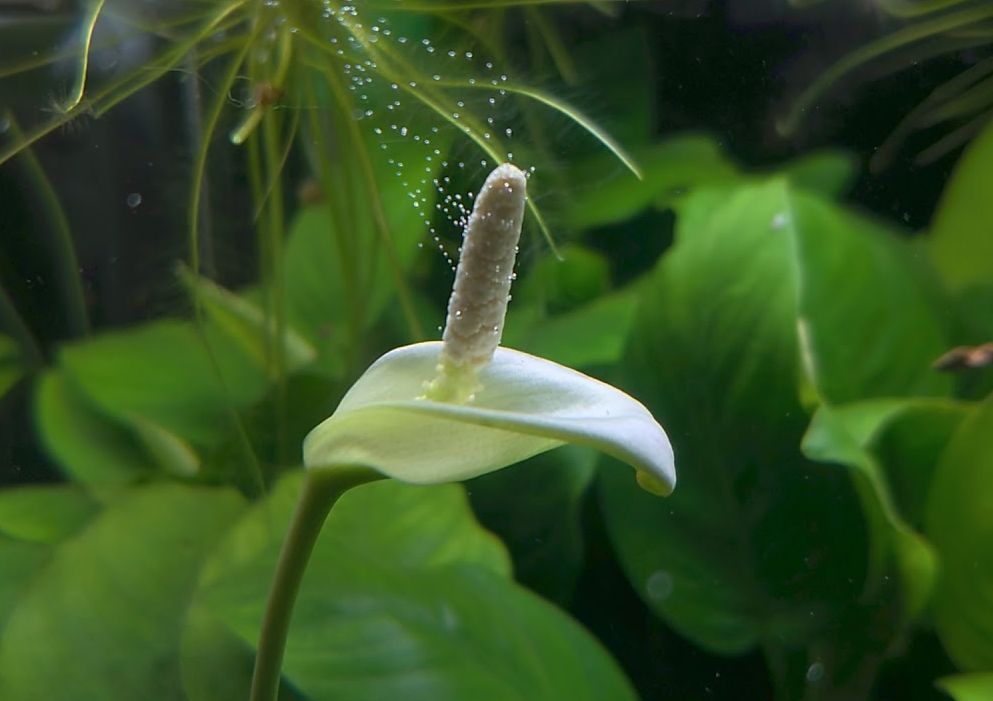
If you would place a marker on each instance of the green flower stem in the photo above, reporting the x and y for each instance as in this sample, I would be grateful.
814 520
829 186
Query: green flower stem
321 489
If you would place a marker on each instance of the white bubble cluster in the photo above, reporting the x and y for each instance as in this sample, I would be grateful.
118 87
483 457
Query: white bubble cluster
420 102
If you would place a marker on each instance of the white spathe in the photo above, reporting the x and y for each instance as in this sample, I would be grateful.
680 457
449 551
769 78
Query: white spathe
526 405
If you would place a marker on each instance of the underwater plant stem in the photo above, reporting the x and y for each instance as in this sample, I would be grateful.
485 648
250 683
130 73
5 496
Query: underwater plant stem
319 493
12 324
61 245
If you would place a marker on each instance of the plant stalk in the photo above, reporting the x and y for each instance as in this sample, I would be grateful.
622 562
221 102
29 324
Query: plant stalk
321 489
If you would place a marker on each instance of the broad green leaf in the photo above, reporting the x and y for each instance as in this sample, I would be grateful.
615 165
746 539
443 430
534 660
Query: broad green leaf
19 561
535 508
88 446
102 619
605 192
46 514
868 324
32 521
764 282
959 522
968 687
910 448
847 435
162 373
576 276
423 618
829 173
247 325
591 335
961 241
526 405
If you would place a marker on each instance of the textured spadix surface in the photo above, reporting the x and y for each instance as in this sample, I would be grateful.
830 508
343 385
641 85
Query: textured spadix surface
526 405
479 298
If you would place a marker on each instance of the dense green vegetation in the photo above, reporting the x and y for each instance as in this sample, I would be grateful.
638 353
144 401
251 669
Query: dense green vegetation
831 533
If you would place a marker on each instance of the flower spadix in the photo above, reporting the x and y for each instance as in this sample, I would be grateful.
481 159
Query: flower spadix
440 412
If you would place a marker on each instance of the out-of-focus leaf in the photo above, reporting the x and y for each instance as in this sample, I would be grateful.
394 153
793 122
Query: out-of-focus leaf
847 435
102 619
247 325
829 173
88 446
768 292
594 334
605 192
755 541
535 509
388 522
910 447
44 514
32 521
959 522
577 276
162 373
868 325
968 687
961 241
622 99
428 618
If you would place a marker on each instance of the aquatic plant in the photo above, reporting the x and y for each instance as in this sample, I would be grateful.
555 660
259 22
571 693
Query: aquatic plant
961 106
485 408
829 537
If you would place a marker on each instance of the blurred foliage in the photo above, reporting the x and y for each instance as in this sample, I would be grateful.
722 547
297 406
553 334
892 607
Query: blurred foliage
960 107
833 504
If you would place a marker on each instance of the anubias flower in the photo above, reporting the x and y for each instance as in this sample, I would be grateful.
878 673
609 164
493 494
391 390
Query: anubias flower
440 412
486 407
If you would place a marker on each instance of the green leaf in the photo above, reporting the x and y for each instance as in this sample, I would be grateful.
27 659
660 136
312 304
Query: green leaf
88 446
847 435
758 545
968 687
162 373
535 508
578 275
591 335
424 616
102 619
604 192
868 323
44 514
247 325
32 521
959 522
961 243
830 173
525 405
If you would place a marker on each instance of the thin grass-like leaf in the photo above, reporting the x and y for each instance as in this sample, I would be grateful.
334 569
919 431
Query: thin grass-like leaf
916 8
954 140
443 6
567 110
901 38
109 96
61 245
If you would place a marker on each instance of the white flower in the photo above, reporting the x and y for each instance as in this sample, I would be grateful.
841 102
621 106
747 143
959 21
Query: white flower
441 412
